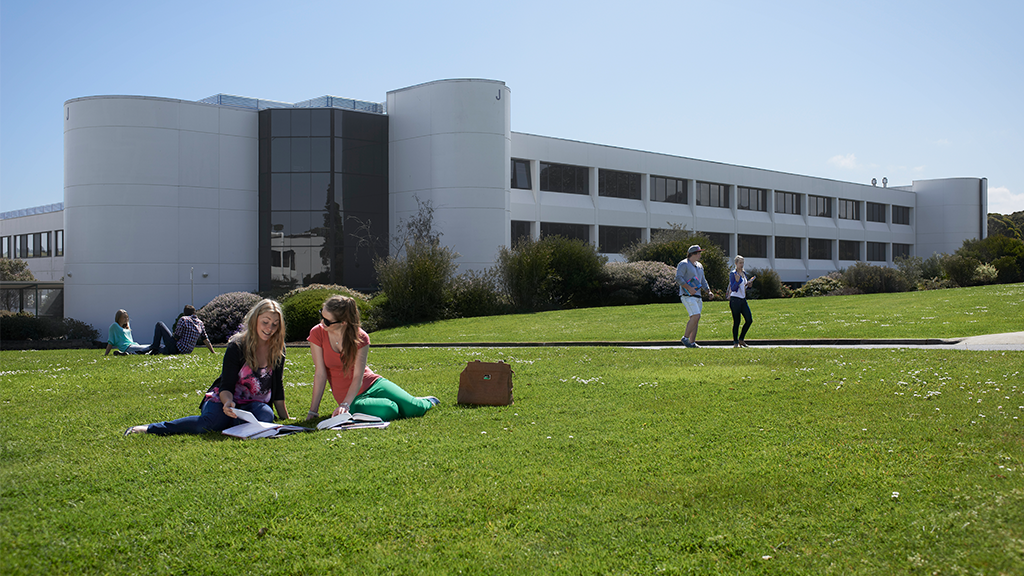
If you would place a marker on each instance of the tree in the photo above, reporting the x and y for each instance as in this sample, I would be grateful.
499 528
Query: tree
17 271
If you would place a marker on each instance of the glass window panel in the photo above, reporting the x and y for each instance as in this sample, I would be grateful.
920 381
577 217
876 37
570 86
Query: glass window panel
300 122
59 242
849 250
32 245
5 251
819 249
300 194
520 229
280 191
281 155
280 123
44 244
319 122
318 190
300 155
787 247
320 154
752 246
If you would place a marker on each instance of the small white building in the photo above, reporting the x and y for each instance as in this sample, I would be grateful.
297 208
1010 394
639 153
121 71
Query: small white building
169 202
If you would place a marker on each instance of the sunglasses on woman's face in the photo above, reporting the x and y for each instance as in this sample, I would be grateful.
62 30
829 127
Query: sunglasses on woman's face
327 322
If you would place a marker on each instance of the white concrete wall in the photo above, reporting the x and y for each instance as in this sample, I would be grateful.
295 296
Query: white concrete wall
47 268
450 144
154 188
949 211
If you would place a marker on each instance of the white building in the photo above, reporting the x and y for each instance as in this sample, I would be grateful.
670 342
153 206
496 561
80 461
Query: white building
168 202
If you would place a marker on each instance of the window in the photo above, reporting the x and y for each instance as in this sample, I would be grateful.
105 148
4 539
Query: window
58 244
564 178
617 184
716 195
44 244
572 231
876 212
5 250
521 174
613 239
876 252
719 239
751 199
900 215
787 247
665 189
751 246
19 246
849 250
900 250
849 209
787 203
819 206
520 229
819 249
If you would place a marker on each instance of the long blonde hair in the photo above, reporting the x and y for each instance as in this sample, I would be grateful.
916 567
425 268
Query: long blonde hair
248 339
344 309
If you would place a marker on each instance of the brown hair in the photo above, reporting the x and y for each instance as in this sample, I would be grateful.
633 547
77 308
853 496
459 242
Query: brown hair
121 314
249 340
344 309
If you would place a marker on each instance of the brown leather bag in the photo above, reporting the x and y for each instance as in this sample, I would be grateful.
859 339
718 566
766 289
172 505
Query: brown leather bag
486 384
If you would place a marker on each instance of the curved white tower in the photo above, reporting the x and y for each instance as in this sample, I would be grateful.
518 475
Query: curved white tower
451 144
160 207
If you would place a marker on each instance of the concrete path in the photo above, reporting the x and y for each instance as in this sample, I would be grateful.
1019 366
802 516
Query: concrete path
1009 341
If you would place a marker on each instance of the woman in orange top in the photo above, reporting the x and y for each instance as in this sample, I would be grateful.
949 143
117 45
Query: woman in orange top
339 348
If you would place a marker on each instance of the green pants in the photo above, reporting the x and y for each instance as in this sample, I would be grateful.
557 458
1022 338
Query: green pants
387 401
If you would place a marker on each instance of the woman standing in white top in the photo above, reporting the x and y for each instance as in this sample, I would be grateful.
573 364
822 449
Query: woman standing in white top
738 283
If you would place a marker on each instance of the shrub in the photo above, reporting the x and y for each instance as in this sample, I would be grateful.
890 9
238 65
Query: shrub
302 306
670 246
417 284
820 286
872 279
960 269
1009 269
574 270
223 315
477 294
25 326
523 274
985 274
638 283
767 285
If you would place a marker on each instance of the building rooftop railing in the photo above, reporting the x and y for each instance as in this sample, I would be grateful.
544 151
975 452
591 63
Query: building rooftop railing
321 102
44 209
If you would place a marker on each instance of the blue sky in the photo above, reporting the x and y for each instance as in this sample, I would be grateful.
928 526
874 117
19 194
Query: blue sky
851 91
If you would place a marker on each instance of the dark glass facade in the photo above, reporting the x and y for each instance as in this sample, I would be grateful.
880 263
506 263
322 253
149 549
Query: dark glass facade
323 197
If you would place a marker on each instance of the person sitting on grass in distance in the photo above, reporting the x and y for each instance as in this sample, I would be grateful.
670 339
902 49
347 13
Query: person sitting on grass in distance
339 348
738 284
119 337
690 277
189 330
250 379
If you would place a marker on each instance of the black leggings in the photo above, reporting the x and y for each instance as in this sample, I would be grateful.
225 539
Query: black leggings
739 306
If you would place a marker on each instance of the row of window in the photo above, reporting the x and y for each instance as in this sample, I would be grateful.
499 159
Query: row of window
35 245
571 179
613 239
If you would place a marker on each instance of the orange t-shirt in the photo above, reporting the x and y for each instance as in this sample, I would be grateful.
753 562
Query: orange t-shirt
339 380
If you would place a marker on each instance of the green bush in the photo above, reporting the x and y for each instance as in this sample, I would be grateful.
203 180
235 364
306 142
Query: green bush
960 270
1005 253
767 285
638 283
302 307
25 326
418 284
574 272
1010 270
223 315
670 246
821 286
477 294
523 274
872 279
985 274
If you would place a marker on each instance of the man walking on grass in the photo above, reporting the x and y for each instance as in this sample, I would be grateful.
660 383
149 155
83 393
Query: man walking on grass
690 277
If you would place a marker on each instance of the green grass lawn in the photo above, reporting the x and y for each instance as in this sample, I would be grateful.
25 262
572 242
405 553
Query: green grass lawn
932 314
611 461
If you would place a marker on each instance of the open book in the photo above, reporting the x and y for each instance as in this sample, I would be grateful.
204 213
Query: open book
253 428
348 421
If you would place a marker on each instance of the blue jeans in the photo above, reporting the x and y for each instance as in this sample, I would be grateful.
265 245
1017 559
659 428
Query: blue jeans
211 419
161 332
